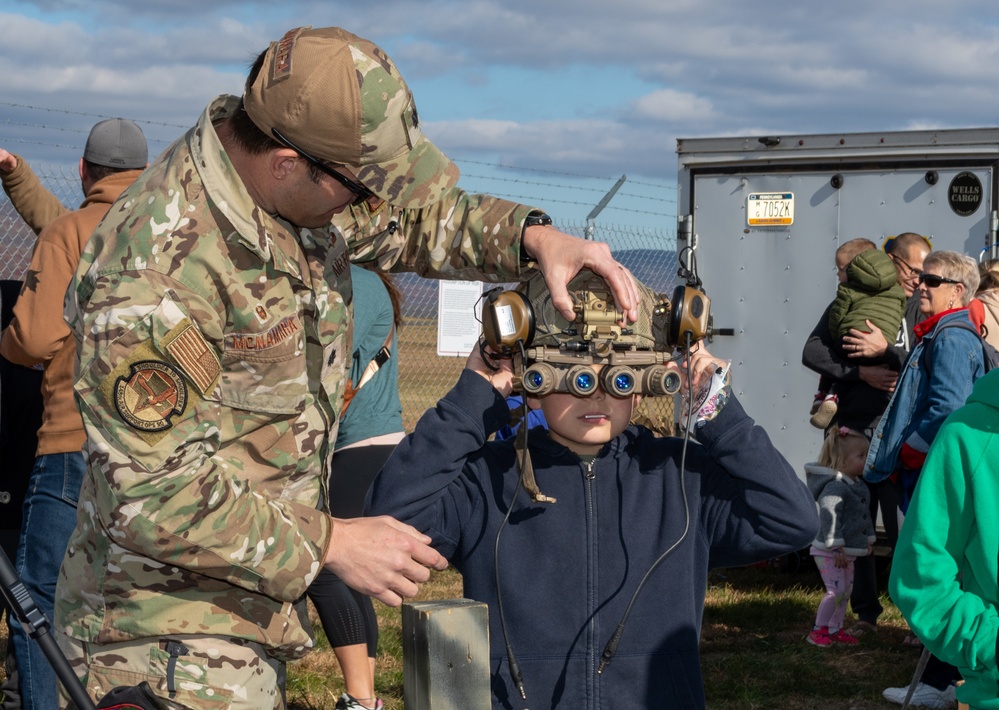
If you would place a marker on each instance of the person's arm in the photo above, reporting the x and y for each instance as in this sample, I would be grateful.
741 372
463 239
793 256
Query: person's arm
166 494
957 361
423 483
830 510
753 505
38 330
859 343
934 574
478 237
37 206
822 355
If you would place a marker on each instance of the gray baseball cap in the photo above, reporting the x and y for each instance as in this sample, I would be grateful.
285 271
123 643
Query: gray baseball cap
117 143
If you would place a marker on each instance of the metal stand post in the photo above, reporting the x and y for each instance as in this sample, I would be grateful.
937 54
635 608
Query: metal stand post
20 603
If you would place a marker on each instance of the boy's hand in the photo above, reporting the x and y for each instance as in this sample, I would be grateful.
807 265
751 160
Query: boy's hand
702 366
499 371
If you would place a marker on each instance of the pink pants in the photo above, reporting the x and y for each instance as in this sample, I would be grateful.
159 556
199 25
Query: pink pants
839 584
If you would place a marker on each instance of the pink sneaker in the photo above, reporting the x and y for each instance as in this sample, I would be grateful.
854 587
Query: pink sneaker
842 637
819 637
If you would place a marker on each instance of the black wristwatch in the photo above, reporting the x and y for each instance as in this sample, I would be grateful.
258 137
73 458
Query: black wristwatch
537 220
532 220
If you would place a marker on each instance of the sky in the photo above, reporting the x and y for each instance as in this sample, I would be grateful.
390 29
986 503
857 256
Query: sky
547 102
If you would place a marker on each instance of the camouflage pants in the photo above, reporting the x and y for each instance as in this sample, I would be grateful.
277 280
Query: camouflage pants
184 671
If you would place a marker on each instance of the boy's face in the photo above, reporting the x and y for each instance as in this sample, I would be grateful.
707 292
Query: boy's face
841 263
585 424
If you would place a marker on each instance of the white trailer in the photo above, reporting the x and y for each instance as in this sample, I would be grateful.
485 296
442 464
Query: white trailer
764 216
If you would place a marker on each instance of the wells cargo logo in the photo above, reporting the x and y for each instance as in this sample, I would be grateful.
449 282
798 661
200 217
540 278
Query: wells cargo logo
151 394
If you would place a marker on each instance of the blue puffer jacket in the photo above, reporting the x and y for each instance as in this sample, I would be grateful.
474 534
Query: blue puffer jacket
568 569
922 400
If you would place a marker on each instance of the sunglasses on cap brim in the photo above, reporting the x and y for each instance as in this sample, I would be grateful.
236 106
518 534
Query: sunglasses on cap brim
362 194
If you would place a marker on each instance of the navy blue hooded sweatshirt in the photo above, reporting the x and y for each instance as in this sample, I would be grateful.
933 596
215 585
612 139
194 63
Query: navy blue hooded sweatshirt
569 569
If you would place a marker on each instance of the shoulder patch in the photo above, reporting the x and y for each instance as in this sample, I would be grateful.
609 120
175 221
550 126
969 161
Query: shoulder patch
150 395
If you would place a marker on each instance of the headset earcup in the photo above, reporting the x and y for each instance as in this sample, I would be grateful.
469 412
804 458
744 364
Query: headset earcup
507 317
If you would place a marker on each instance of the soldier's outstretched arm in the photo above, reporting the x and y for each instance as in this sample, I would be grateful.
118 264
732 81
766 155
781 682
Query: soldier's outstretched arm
381 557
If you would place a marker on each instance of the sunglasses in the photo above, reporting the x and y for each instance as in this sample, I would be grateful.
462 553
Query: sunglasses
903 262
932 280
362 193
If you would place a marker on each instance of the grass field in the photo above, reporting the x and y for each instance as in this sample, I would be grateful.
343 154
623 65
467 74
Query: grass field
754 655
753 652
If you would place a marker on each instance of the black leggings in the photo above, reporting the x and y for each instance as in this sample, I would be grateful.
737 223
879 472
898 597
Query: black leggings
348 617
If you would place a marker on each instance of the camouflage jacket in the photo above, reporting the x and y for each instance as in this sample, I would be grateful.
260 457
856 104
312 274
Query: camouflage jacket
213 343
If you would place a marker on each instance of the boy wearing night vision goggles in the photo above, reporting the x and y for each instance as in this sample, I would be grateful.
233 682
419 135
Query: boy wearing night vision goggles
621 507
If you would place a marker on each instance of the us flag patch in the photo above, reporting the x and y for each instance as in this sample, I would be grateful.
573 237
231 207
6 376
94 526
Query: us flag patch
196 358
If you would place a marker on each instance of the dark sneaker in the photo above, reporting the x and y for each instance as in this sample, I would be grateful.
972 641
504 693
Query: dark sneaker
348 703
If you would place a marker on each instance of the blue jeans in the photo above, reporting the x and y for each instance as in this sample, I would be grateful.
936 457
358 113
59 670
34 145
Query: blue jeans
48 522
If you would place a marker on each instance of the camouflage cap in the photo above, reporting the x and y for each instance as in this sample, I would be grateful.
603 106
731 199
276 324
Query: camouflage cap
341 99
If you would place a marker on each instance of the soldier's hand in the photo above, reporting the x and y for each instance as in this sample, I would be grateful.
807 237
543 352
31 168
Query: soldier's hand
7 162
381 557
560 257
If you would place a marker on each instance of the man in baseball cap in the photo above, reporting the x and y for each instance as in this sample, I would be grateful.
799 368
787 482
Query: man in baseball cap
213 313
117 143
113 158
339 98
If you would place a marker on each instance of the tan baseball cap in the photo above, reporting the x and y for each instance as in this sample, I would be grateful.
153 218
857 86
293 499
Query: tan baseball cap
340 98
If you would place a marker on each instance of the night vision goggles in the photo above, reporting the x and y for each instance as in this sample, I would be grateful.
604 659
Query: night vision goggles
552 354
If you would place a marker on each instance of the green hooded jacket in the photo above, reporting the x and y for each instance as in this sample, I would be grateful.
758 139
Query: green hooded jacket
944 573
871 292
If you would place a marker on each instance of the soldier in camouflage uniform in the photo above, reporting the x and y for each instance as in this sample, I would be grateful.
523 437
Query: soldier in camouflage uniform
213 313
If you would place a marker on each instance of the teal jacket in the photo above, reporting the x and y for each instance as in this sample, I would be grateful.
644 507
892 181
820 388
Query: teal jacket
944 575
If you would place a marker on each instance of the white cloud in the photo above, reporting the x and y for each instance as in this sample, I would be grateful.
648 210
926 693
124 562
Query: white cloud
673 106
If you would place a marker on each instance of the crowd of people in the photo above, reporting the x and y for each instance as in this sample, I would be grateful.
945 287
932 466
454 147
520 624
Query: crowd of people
221 436
887 448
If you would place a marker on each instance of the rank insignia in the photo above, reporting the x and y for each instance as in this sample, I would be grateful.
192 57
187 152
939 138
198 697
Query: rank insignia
150 395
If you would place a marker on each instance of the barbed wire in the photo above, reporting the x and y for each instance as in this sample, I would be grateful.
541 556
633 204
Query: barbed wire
667 200
91 115
552 172
580 188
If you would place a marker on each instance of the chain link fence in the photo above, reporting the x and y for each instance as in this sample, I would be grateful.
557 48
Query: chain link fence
424 377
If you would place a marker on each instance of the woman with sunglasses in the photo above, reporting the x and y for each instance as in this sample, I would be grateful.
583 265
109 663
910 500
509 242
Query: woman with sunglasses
938 374
936 380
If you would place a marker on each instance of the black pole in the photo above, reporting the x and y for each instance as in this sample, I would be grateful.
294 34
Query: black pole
37 627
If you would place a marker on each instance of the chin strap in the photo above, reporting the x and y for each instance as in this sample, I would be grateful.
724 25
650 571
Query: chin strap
520 442
525 465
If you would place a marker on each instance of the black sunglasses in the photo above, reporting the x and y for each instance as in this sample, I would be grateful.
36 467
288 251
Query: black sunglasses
932 280
362 193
